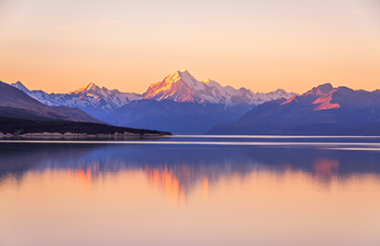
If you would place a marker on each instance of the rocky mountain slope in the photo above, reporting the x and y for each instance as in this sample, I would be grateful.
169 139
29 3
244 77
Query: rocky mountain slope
321 110
179 118
15 103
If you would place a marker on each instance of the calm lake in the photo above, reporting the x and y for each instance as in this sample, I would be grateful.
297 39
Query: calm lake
191 190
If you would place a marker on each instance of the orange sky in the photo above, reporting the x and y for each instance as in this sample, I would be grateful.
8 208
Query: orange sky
58 46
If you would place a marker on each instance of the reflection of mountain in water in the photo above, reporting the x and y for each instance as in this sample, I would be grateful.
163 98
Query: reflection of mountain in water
173 183
175 170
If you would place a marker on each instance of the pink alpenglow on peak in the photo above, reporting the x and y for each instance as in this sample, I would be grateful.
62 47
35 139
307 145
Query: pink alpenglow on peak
323 102
85 88
293 98
325 93
181 86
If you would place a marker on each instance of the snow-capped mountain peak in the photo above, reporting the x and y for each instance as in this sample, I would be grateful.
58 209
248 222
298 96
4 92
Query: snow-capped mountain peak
87 96
86 89
112 98
191 82
181 86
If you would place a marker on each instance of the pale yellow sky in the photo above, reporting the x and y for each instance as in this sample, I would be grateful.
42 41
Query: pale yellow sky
58 46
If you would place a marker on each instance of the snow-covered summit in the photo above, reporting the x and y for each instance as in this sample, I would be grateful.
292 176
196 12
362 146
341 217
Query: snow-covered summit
113 98
89 95
90 87
181 86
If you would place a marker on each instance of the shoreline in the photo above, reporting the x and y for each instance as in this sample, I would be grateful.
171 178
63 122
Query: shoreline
70 135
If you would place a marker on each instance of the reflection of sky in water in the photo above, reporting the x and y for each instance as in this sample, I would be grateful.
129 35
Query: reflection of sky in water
187 195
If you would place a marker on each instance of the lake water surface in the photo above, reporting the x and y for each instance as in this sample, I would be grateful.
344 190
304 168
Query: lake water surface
191 190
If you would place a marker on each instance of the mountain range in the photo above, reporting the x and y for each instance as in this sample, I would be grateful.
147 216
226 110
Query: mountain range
179 103
90 98
323 110
21 114
183 105
15 103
